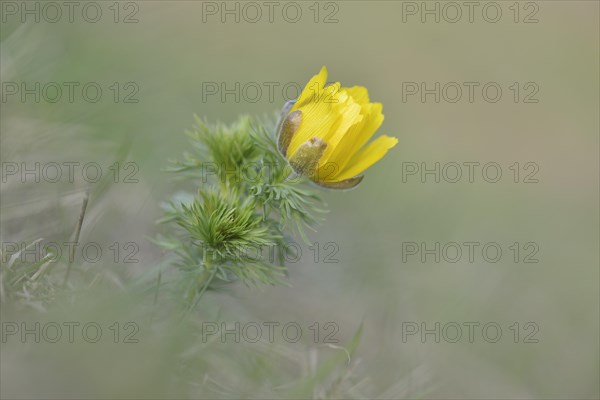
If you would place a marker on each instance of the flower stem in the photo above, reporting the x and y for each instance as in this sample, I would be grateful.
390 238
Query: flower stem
213 272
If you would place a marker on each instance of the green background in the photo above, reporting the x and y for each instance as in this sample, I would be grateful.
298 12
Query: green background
170 54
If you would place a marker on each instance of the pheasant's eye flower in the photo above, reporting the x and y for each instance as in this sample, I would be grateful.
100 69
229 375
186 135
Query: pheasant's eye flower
324 133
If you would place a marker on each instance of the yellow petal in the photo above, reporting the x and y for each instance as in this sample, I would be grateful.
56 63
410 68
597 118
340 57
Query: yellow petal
320 117
312 89
367 157
350 115
356 137
359 93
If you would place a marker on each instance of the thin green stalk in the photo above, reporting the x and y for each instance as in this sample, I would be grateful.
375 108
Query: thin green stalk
213 272
77 232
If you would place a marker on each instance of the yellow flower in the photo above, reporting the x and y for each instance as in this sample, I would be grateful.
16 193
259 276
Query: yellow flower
324 133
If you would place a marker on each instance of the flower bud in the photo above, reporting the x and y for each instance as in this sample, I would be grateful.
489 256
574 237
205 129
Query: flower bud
331 126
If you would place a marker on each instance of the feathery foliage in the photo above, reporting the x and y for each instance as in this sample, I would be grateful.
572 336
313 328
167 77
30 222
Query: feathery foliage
248 205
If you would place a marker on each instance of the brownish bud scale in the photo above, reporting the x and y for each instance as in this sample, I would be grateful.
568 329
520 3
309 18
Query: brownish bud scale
306 159
341 185
286 130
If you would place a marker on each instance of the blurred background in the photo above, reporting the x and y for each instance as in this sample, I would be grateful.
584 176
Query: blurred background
395 269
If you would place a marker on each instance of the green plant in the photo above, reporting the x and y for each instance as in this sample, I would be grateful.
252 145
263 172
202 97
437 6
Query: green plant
247 206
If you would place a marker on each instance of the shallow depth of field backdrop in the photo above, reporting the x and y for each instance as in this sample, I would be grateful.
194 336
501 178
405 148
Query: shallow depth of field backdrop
159 62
